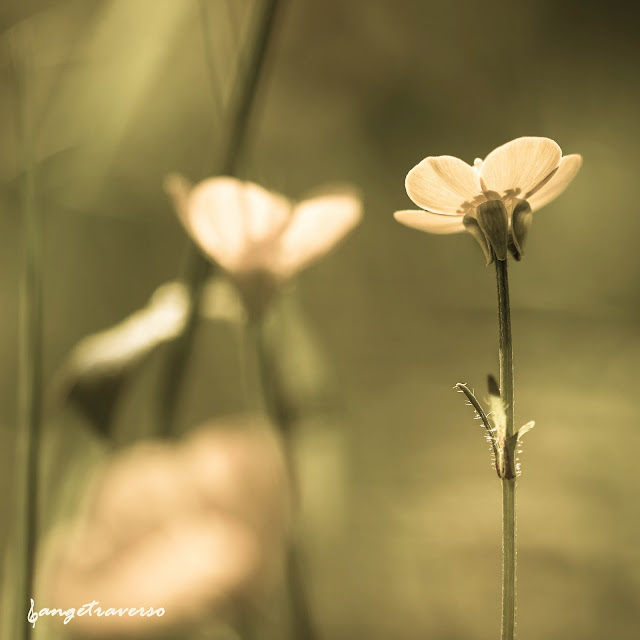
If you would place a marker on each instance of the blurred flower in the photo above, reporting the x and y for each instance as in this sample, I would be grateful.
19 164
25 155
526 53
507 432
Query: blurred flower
92 375
494 199
130 340
185 527
261 238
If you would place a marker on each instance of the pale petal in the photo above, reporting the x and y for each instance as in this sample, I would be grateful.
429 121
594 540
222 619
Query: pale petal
179 188
569 167
428 221
442 184
264 213
127 342
228 218
191 564
317 225
205 206
520 165
239 467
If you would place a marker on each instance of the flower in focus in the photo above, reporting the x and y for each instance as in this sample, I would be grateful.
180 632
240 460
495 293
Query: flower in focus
185 527
493 199
260 237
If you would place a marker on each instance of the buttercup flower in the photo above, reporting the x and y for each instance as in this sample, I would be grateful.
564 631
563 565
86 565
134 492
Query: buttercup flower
493 199
182 526
255 234
127 342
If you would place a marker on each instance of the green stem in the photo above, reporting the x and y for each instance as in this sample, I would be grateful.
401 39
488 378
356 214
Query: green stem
509 475
508 558
178 352
505 343
302 620
199 268
280 412
30 341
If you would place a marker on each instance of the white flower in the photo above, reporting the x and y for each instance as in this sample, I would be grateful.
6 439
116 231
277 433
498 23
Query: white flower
129 341
182 526
247 229
161 320
517 178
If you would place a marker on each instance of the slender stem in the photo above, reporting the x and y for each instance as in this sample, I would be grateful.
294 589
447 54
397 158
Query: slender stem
302 619
247 90
198 269
178 352
30 340
280 411
508 558
509 476
274 400
505 343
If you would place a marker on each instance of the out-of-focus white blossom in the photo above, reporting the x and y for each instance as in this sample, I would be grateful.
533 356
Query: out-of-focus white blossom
247 229
186 527
127 342
520 176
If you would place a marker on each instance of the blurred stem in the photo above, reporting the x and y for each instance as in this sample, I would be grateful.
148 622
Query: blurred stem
178 351
509 475
280 411
275 402
30 341
198 267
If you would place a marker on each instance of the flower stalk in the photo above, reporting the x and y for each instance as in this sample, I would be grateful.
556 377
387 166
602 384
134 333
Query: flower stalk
198 267
509 447
494 200
281 413
508 558
30 339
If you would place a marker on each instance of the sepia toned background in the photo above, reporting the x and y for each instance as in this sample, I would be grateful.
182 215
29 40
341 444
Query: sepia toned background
401 510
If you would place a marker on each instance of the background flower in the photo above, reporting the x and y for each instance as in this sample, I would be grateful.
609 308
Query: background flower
186 527
245 228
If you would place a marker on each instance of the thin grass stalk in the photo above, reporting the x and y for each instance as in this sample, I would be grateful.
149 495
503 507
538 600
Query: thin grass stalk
198 267
509 477
281 413
30 332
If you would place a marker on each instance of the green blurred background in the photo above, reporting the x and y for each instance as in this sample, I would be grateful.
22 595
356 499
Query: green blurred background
402 526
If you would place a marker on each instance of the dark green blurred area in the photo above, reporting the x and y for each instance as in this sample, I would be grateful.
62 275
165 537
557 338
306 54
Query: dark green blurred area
361 91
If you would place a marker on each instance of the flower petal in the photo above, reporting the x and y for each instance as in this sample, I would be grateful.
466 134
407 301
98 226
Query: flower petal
567 170
240 468
442 184
428 221
520 165
229 218
316 226
178 188
189 565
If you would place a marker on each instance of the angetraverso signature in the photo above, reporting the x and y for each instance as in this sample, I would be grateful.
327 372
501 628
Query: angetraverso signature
91 609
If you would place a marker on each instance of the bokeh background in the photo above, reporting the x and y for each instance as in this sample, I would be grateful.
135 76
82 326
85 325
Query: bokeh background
402 510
